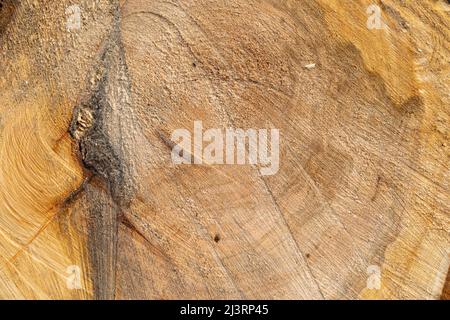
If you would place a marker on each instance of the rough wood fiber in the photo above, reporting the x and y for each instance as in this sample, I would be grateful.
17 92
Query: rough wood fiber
86 177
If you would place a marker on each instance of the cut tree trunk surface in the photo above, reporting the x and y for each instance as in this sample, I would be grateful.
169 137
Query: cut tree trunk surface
93 207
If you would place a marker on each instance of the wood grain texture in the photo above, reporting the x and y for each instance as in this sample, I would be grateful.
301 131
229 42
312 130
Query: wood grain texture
86 177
